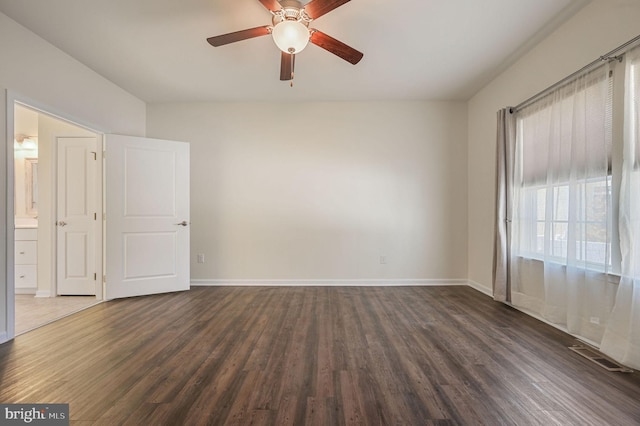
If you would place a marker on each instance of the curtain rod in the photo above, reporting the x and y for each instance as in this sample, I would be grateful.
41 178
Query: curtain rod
606 57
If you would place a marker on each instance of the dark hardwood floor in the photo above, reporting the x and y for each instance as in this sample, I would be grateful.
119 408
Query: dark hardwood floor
316 356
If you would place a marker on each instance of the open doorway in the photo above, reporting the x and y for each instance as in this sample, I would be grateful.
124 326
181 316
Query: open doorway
57 218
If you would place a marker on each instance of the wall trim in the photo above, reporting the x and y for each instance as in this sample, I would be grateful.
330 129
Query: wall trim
43 293
330 283
3 337
481 288
26 290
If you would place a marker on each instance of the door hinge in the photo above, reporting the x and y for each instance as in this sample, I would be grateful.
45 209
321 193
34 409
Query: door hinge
104 278
95 155
95 276
95 216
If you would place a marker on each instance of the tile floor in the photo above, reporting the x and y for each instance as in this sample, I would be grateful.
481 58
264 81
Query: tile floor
33 312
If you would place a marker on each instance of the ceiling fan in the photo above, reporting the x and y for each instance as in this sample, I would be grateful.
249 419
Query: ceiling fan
291 32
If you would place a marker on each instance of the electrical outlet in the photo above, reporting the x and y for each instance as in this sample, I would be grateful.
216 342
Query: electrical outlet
594 320
200 258
383 260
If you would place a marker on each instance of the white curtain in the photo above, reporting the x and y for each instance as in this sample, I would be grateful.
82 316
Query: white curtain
562 214
622 337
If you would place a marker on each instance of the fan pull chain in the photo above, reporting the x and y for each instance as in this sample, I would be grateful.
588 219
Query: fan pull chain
293 65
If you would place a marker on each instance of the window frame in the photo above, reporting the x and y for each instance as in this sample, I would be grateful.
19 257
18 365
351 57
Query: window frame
531 236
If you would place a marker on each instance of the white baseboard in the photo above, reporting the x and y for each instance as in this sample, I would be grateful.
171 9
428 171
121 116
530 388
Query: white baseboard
43 293
481 288
3 337
26 290
328 283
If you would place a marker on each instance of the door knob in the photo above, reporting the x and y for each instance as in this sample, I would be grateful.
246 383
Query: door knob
183 223
62 223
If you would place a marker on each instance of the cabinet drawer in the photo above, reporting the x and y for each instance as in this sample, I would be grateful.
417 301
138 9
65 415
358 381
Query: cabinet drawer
26 234
26 276
26 253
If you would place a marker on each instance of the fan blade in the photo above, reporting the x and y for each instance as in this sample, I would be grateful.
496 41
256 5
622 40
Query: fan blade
272 5
286 66
221 40
336 47
317 8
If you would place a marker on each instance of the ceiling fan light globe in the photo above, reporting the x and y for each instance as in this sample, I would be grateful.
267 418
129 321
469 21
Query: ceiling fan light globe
291 36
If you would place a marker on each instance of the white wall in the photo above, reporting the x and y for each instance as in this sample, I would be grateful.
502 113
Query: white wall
34 69
597 29
319 191
37 70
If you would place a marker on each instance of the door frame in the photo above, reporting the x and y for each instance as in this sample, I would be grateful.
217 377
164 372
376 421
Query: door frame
8 221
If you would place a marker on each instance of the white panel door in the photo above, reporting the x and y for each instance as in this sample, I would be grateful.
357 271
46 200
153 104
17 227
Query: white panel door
77 200
147 216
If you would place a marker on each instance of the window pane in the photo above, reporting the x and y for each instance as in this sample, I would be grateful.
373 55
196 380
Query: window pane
598 197
561 203
540 237
559 243
597 249
541 201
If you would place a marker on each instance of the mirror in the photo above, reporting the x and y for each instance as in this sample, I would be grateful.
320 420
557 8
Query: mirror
31 186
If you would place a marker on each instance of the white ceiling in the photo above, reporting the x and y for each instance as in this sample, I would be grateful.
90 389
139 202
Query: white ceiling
413 49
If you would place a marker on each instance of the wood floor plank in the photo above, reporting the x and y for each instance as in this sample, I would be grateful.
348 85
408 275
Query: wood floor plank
314 356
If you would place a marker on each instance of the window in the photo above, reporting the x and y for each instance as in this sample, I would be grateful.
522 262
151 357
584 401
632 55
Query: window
571 187
564 175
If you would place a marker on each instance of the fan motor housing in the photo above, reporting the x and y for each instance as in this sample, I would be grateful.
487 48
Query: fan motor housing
293 4
292 10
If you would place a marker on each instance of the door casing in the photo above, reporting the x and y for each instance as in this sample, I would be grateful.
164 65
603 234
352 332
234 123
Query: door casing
8 223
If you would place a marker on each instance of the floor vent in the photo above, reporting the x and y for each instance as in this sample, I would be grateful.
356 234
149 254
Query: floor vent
595 356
